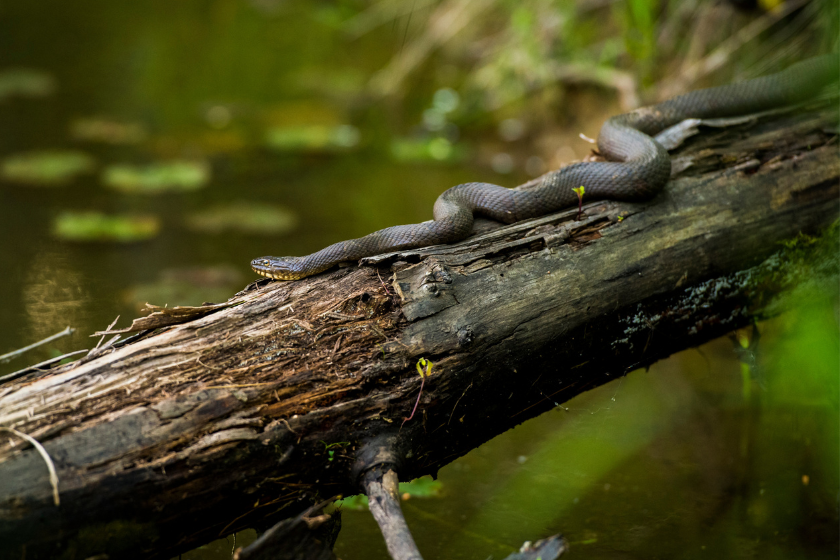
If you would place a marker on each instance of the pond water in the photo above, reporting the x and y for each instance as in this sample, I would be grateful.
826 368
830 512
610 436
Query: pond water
149 150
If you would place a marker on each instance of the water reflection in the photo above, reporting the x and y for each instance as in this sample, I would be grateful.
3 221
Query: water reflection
186 286
678 461
53 295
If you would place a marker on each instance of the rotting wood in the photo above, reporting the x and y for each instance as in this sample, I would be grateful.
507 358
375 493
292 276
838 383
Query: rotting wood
247 413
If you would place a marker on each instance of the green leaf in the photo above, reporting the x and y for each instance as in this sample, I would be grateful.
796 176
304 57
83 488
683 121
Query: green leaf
157 177
423 487
96 226
357 502
24 82
46 168
106 131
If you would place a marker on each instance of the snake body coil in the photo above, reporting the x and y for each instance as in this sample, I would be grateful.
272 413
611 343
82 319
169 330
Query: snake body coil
639 167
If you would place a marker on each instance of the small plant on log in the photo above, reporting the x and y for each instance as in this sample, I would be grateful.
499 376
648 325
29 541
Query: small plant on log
579 192
328 447
424 368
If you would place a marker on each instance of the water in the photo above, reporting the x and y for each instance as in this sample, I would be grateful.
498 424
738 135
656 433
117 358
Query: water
676 462
691 459
205 83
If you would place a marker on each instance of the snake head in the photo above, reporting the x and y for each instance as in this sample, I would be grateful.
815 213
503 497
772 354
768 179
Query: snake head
278 268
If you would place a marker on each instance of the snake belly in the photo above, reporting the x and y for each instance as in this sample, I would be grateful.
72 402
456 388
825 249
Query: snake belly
638 167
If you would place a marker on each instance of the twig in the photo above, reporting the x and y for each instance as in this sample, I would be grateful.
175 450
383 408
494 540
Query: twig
456 402
235 386
413 410
24 371
11 355
383 283
335 348
286 422
208 367
99 350
298 537
384 500
111 326
44 455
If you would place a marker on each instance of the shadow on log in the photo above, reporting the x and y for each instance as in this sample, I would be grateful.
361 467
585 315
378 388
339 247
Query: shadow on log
246 413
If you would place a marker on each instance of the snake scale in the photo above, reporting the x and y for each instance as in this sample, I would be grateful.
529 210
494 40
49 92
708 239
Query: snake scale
638 167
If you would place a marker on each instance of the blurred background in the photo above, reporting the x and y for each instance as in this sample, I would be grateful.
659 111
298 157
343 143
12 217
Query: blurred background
149 150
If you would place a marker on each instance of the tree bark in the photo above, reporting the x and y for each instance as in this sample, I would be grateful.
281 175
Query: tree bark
238 415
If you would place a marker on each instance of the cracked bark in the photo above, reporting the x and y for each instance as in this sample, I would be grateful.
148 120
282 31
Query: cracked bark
243 414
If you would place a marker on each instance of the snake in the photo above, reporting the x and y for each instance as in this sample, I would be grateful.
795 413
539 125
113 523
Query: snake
637 168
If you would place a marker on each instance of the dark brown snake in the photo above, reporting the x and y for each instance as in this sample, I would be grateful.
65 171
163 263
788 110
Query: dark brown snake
638 169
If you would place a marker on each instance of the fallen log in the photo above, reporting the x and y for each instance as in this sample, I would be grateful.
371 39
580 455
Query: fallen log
229 416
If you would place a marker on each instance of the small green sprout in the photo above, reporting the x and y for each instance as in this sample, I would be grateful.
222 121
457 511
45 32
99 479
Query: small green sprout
424 368
579 192
331 452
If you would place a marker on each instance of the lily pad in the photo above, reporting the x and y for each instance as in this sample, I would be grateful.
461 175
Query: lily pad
313 138
96 226
107 131
157 177
356 502
424 487
246 217
24 82
45 168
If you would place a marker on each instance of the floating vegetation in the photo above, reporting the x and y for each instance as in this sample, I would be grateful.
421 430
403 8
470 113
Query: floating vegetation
187 286
246 217
107 131
24 82
96 226
155 178
45 168
313 138
408 150
424 487
356 502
